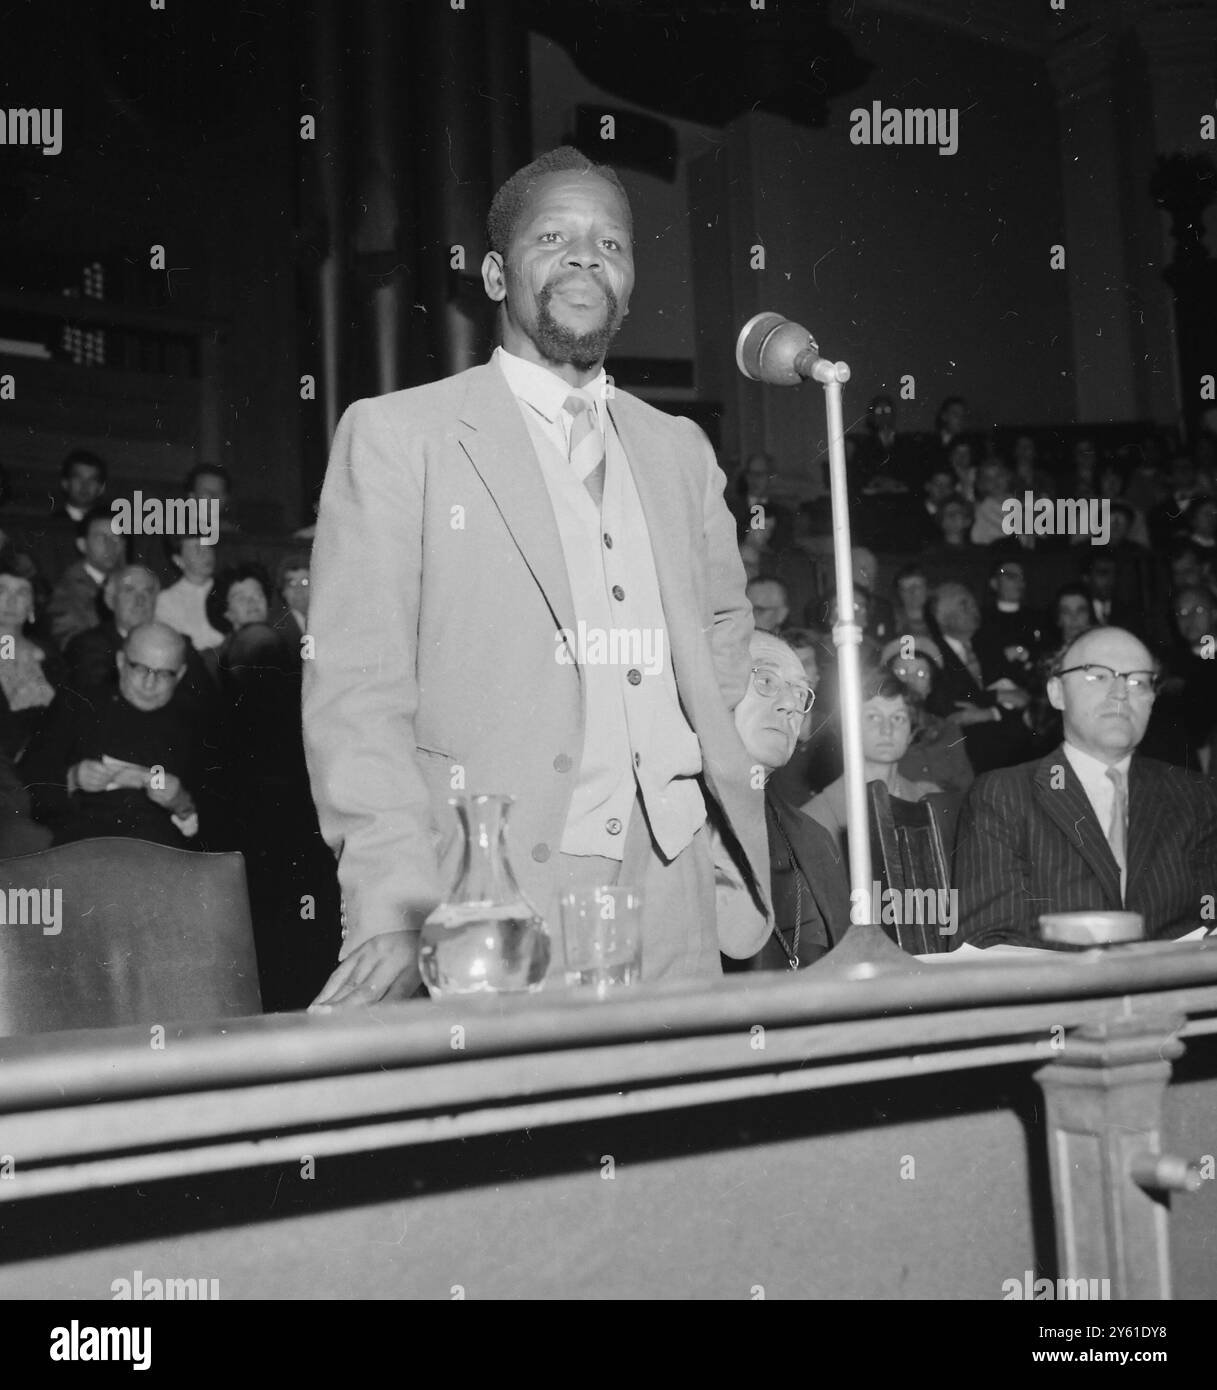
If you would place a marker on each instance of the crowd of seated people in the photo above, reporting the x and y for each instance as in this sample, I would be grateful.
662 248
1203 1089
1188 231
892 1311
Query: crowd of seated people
167 714
966 680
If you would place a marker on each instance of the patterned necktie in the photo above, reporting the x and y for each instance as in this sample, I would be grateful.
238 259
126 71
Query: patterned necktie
1117 831
586 450
972 663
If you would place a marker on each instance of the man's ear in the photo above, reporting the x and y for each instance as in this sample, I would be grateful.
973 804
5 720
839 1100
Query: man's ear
1056 693
494 277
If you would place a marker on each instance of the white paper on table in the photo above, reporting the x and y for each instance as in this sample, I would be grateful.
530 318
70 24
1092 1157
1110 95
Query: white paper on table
969 953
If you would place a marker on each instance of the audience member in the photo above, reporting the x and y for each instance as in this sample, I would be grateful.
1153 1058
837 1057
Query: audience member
82 481
1010 635
211 482
1184 721
129 595
809 885
887 729
124 763
816 759
991 715
912 595
950 421
770 603
1093 825
293 586
74 600
30 671
955 531
992 490
937 753
1166 518
183 605
963 469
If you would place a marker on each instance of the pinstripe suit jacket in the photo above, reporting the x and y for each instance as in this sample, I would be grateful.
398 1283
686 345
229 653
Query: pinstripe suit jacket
1027 846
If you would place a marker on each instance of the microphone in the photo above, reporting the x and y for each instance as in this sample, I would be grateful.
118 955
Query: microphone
780 352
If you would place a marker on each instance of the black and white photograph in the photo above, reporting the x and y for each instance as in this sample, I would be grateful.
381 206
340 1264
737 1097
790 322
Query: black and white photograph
608 664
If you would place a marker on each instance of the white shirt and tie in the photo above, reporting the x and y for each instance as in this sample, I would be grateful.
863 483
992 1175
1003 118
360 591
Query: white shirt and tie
636 738
1106 789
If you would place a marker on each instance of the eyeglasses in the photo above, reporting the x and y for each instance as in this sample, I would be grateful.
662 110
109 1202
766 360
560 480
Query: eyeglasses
768 686
1103 678
1195 608
156 673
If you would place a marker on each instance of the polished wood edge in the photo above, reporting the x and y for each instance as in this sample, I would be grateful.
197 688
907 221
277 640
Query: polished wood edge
67 1068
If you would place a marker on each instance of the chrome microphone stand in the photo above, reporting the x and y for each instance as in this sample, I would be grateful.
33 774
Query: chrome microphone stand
772 349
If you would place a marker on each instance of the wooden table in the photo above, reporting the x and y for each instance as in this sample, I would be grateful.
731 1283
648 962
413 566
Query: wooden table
936 1134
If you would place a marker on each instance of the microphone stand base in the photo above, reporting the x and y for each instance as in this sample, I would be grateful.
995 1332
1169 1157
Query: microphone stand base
864 951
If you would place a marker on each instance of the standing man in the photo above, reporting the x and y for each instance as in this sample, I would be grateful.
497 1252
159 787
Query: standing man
474 537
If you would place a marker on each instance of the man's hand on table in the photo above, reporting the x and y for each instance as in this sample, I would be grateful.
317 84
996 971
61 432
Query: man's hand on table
383 968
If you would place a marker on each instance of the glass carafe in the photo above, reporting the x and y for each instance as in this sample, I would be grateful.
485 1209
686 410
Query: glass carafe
485 937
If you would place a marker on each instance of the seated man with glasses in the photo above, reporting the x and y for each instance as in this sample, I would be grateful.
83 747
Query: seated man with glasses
808 882
125 761
1093 825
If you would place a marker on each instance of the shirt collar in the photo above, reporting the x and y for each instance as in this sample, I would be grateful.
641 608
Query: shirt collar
1003 606
1090 771
95 575
542 389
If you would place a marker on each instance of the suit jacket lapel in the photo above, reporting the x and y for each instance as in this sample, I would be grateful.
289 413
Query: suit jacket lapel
1147 817
494 436
1069 807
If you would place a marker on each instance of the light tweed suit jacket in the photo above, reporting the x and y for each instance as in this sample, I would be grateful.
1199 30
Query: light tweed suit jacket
438 583
1029 843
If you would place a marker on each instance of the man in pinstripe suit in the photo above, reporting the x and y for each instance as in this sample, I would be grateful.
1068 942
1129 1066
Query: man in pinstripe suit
1092 825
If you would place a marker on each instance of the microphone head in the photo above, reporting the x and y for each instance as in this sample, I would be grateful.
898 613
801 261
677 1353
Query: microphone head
769 348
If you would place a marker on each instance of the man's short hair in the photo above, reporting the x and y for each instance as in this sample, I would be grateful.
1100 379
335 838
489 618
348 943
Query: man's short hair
85 457
101 512
1061 660
509 201
201 470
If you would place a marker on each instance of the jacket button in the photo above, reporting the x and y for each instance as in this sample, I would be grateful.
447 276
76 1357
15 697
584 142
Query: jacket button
608 541
613 826
540 853
634 676
618 592
562 763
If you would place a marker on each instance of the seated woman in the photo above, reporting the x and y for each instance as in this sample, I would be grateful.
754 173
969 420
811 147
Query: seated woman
30 670
887 729
937 753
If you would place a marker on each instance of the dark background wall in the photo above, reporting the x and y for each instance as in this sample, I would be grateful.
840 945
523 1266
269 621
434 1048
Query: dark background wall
329 257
